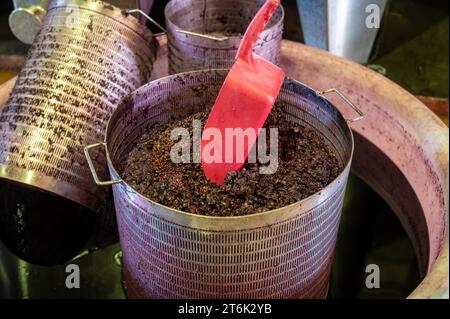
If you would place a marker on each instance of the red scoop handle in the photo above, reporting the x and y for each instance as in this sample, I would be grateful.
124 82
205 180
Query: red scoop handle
255 28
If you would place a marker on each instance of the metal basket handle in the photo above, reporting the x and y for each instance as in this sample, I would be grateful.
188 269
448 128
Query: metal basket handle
164 31
92 167
346 100
204 36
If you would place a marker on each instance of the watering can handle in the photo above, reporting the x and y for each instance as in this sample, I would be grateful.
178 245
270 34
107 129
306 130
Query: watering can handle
255 28
92 167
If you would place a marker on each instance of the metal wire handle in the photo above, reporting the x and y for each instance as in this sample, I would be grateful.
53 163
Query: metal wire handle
209 37
164 31
92 167
204 36
346 100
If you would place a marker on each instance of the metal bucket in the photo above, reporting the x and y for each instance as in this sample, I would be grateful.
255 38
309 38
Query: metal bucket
224 20
283 253
85 59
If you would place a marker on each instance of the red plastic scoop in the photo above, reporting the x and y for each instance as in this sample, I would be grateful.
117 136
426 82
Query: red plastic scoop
242 106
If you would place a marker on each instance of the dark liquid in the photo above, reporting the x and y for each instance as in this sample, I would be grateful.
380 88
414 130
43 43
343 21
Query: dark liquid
40 227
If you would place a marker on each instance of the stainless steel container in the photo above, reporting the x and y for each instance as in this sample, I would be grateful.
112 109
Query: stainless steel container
86 57
345 28
284 253
226 20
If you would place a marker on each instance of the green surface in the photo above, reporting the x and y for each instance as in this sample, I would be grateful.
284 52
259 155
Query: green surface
6 75
413 46
370 233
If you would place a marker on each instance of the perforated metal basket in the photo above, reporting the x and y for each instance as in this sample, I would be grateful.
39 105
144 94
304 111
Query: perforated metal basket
87 56
284 253
226 19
